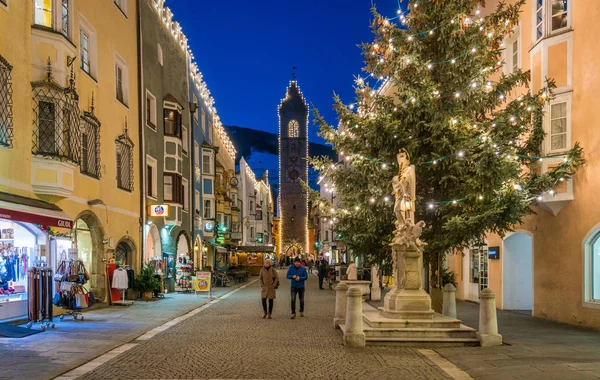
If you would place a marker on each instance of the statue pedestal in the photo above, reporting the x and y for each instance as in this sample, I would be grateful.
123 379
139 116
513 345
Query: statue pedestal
407 299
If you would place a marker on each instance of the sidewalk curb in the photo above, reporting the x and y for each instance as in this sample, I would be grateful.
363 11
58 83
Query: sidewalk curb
102 358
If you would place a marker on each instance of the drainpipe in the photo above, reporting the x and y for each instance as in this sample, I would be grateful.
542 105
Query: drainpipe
142 105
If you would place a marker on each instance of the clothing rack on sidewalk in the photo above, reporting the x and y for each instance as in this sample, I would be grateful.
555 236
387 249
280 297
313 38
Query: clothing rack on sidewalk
121 282
39 302
71 295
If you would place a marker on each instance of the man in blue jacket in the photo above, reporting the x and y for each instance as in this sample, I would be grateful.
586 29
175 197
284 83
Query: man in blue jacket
298 275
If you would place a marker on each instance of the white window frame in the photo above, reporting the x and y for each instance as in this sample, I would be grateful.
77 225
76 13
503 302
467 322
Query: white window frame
52 15
197 203
203 122
186 194
195 101
211 208
509 52
546 23
207 154
210 132
562 98
152 162
184 140
85 26
588 269
153 112
122 64
69 19
196 154
159 52
4 4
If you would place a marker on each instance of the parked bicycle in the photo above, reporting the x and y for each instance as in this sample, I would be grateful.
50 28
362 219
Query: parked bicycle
221 279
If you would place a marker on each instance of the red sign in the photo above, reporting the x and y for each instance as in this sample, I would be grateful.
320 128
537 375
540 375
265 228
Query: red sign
45 220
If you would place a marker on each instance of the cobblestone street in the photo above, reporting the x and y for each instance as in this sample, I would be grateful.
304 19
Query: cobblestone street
229 339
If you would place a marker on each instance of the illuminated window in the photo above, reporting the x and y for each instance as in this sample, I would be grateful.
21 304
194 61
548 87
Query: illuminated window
43 13
293 129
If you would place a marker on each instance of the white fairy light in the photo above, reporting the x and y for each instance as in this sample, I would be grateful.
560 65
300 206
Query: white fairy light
372 200
386 198
430 66
453 61
431 205
457 95
461 154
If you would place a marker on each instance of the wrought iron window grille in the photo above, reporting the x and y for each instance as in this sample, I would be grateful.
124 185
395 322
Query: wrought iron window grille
90 143
6 105
124 161
56 118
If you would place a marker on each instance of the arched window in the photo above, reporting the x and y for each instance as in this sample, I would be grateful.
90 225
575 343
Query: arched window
293 128
591 269
122 253
160 54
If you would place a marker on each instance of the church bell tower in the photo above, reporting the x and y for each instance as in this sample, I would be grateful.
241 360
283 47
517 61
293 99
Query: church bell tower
293 168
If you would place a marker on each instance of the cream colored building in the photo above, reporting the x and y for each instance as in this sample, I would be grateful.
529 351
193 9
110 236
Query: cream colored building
68 178
550 265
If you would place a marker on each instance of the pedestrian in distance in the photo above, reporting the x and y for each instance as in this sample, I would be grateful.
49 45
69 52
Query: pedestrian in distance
310 265
322 271
269 282
298 275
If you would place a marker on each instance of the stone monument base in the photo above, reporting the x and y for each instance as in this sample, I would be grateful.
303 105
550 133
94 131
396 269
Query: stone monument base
435 330
406 304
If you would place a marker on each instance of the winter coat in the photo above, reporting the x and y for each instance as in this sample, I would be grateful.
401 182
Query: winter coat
300 272
323 266
269 279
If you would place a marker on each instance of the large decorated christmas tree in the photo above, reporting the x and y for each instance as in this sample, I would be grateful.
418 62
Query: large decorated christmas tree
473 132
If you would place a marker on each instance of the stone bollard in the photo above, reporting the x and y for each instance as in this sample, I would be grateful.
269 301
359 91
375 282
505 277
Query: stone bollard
340 305
488 323
375 289
354 334
449 307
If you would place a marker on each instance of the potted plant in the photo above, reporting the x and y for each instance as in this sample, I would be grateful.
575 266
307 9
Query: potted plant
146 283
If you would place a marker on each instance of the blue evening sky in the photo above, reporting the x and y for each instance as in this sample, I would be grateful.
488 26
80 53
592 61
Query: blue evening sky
246 50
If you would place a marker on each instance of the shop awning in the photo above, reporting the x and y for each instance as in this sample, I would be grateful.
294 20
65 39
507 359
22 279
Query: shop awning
256 248
23 209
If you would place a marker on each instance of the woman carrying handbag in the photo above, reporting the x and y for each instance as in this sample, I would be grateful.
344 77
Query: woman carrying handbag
269 282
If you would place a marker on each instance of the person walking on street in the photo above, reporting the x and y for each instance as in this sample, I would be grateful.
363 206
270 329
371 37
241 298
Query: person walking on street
297 274
269 282
322 268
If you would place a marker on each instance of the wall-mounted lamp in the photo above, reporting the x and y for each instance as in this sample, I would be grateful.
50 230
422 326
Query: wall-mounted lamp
193 107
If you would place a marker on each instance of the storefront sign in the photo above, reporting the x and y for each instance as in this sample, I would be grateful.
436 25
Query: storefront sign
203 281
158 210
494 253
45 220
209 226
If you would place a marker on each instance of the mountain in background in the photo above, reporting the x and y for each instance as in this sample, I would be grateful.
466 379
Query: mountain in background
261 150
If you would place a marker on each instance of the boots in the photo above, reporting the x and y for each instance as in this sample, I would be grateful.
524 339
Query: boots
265 315
269 315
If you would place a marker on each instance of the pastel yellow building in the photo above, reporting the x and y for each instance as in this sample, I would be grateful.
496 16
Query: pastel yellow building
550 265
69 136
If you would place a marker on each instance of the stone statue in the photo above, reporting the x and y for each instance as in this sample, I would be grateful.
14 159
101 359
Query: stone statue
404 189
351 272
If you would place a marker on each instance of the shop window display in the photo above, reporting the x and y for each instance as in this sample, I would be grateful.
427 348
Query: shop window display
16 256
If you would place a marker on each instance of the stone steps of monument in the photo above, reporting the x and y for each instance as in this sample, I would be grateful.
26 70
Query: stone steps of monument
422 342
416 334
374 319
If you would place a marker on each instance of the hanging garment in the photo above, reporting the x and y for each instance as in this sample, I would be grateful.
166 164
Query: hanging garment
130 276
120 280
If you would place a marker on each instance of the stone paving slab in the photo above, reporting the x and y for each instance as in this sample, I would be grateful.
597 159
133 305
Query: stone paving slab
230 340
73 343
536 349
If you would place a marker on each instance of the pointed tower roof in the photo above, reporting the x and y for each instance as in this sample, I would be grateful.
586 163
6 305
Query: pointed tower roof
293 94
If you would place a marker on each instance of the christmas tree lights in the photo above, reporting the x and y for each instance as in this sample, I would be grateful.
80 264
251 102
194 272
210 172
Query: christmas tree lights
473 133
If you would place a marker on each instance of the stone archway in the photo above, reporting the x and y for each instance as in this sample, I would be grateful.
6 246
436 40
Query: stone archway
183 244
153 244
89 235
126 252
